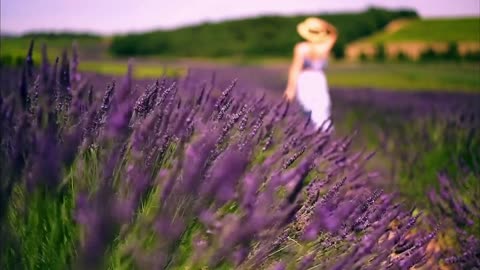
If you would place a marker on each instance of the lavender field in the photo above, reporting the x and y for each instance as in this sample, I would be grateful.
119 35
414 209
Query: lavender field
216 171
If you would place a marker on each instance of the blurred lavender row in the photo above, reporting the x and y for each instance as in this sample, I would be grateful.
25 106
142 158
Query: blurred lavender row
407 103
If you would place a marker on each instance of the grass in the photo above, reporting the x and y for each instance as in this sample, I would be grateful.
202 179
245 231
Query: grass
410 152
18 47
432 30
406 76
119 68
47 233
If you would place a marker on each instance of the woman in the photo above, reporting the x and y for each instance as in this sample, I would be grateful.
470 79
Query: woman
306 79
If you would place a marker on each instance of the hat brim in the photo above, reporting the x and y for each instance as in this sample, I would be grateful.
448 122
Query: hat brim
303 31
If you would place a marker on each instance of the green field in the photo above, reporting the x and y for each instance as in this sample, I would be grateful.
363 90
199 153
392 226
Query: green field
92 52
89 47
141 70
407 76
432 30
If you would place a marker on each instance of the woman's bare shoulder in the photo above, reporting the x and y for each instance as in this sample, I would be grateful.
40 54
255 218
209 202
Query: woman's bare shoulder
301 47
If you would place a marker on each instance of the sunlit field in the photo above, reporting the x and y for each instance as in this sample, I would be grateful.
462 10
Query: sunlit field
431 30
453 77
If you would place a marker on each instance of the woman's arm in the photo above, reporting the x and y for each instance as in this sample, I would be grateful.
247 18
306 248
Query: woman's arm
332 34
295 69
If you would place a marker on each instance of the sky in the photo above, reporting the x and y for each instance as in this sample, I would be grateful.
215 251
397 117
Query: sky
121 16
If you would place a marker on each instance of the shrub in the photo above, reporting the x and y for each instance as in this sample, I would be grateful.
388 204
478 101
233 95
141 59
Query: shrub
451 54
380 54
6 60
402 57
429 55
472 56
363 57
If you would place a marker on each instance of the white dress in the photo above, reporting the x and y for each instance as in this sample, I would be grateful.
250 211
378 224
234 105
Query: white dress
312 92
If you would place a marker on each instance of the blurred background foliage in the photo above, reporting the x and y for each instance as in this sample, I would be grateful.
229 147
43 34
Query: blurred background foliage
263 36
270 36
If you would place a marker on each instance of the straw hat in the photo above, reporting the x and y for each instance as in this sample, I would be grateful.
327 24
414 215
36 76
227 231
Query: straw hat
312 29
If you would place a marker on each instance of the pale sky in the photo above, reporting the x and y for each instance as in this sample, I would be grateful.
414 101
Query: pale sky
120 16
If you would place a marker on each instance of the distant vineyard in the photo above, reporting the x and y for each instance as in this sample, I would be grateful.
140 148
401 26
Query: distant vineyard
416 39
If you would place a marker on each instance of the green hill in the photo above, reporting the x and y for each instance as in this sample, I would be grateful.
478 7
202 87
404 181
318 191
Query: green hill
432 30
271 36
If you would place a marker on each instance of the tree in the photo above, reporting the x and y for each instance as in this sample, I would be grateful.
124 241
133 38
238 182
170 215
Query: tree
380 54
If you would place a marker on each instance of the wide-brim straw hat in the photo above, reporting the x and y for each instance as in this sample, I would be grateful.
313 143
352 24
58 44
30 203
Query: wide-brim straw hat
312 29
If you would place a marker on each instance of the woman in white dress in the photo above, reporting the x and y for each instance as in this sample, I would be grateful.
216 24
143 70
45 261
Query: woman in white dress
306 80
